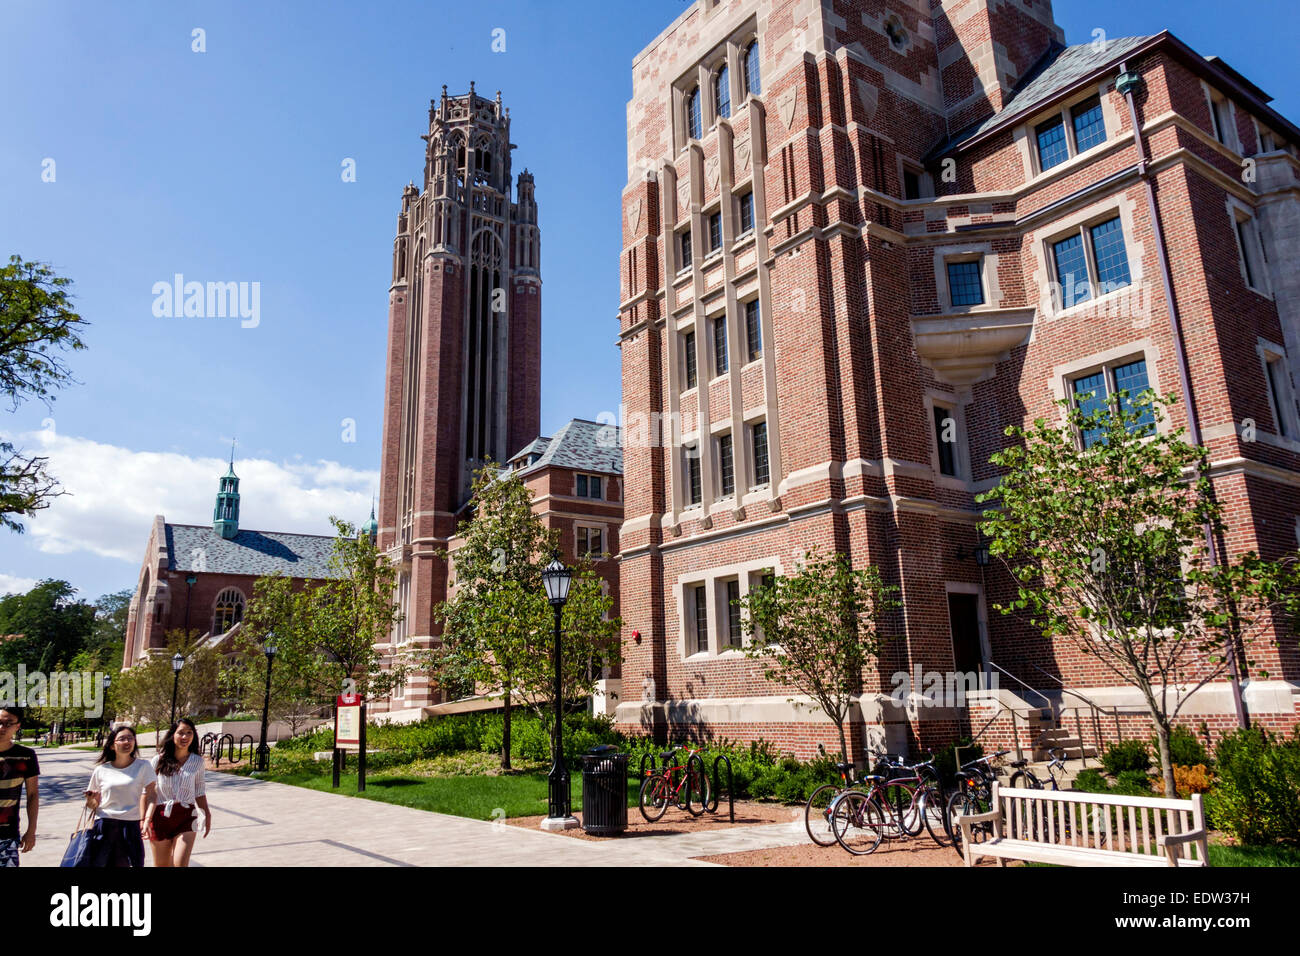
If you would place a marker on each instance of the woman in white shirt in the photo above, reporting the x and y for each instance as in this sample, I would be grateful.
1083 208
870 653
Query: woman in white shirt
121 792
173 825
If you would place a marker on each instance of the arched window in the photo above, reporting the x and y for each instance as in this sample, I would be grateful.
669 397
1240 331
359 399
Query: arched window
753 84
228 612
722 93
694 130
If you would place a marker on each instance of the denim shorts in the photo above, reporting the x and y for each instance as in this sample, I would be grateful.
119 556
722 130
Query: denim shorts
8 853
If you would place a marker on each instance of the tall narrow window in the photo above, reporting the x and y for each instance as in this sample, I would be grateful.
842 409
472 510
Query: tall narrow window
747 211
701 608
720 346
945 437
1096 389
1052 147
761 476
1248 240
726 466
1090 395
1132 380
1111 257
1071 271
752 85
688 342
911 184
1223 122
686 249
693 114
1275 370
753 329
733 614
1089 124
581 486
715 232
693 490
722 92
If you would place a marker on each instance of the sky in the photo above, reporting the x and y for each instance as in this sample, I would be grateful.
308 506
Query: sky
127 157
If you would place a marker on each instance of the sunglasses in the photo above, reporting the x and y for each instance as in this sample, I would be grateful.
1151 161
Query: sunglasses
9 723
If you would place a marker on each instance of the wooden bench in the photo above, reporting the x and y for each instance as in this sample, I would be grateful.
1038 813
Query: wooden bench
1088 829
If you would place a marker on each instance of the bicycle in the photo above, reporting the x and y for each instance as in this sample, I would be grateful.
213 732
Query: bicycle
678 784
892 807
1024 777
973 794
818 824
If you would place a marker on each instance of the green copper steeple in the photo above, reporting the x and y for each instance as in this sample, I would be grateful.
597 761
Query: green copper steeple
225 516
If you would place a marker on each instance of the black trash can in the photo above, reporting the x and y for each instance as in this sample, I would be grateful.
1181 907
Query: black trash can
604 791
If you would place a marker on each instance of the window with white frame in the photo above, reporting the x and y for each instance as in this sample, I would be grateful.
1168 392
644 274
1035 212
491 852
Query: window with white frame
1222 116
1250 249
753 330
753 82
722 93
1098 388
732 632
684 249
720 364
228 610
689 371
590 541
699 612
694 121
1091 260
715 232
726 466
758 442
1281 394
1071 132
965 281
691 471
746 212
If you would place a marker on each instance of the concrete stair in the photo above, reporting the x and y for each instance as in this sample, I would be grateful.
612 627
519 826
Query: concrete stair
1063 739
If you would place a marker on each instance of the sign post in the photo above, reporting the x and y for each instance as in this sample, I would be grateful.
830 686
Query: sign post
350 734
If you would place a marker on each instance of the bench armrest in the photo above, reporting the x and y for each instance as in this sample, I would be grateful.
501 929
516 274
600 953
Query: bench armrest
1170 844
978 817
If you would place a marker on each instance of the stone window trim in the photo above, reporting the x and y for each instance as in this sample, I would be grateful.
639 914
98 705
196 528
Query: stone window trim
924 180
1266 141
589 527
936 399
971 252
715 449
684 333
1049 307
1286 419
713 580
589 478
1228 111
1026 138
1061 383
981 608
233 598
1251 262
701 75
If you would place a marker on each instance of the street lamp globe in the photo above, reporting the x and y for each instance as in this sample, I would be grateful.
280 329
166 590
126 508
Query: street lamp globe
556 578
269 646
178 661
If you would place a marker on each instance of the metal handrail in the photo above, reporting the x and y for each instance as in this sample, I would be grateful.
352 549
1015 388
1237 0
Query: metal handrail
1046 700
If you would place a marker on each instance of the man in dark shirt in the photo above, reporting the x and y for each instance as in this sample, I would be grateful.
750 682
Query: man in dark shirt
18 771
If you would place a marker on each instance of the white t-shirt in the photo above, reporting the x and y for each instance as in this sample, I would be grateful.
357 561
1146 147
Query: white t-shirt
120 788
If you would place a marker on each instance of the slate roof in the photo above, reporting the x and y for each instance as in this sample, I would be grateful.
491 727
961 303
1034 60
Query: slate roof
200 549
580 445
1058 70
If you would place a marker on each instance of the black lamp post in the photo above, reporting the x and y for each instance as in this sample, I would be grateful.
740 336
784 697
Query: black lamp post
178 661
264 751
556 578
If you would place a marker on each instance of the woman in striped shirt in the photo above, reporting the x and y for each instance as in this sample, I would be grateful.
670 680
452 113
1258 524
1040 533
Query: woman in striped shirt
173 823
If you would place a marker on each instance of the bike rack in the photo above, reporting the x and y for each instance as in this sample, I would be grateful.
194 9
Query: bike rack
228 741
251 746
205 745
731 788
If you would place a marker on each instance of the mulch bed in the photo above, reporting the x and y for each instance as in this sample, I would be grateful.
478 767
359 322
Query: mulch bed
748 813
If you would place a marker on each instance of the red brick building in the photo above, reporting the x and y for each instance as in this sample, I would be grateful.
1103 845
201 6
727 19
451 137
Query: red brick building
464 374
855 230
200 577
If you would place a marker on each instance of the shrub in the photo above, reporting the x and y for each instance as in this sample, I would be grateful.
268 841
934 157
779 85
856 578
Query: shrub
945 760
1091 781
1132 783
1256 796
1126 755
1189 780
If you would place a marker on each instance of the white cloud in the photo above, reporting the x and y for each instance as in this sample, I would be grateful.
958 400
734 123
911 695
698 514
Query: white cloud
11 584
114 494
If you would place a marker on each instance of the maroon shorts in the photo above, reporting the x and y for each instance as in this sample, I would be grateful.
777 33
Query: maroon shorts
169 827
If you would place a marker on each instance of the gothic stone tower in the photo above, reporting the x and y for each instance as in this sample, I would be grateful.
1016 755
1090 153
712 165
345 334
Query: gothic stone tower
464 347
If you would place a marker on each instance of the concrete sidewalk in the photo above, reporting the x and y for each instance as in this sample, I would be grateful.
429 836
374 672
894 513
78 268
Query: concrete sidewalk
257 823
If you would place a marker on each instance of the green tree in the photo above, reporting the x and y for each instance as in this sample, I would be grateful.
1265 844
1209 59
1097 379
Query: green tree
107 640
36 325
144 692
817 629
1107 546
55 627
498 629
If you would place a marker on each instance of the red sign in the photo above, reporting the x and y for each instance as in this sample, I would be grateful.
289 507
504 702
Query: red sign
347 722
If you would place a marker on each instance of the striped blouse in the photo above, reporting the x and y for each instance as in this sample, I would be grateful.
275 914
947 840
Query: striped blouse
183 787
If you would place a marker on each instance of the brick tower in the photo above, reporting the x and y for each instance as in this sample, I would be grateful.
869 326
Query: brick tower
464 347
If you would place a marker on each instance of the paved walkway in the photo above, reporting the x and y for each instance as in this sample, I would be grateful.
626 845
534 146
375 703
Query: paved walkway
258 823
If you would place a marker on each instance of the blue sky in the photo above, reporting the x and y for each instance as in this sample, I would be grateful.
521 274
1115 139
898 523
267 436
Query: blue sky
225 166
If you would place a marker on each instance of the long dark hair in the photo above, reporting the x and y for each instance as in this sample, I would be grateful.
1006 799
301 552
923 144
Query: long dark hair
109 754
168 763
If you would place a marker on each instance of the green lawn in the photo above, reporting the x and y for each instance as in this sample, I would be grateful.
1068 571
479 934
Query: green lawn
519 795
1254 856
